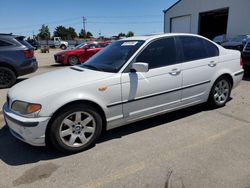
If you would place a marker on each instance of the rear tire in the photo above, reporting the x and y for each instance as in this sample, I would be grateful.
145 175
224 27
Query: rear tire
7 77
75 129
220 92
63 47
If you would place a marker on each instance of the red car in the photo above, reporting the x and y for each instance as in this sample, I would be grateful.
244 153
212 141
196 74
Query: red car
80 54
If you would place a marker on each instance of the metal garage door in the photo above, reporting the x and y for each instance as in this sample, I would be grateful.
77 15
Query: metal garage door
181 24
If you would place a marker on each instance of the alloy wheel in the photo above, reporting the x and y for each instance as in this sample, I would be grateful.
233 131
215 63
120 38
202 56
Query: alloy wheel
221 92
77 129
73 60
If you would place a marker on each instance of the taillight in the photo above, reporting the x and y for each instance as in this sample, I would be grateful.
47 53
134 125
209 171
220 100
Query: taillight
241 61
28 53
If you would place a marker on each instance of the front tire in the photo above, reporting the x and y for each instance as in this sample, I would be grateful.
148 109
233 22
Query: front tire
220 92
7 77
76 128
73 60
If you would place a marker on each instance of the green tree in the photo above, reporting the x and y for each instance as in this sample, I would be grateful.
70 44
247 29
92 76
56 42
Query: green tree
121 35
130 34
71 33
44 33
61 31
82 34
89 34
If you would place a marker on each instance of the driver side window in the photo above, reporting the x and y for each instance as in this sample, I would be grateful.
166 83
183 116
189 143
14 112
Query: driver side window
159 53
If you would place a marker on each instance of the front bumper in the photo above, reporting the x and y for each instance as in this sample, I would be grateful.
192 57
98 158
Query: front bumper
60 59
29 130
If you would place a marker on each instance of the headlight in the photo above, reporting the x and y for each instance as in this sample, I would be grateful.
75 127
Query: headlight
26 109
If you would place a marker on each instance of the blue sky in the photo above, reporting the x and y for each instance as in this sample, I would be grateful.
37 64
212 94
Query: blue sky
108 17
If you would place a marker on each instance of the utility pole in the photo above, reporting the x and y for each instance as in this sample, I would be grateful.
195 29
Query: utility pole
84 26
33 32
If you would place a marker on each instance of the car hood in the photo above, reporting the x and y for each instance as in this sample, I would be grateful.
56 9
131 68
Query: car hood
55 82
69 51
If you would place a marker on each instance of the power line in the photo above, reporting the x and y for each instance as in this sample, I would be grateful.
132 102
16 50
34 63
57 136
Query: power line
134 22
59 22
127 16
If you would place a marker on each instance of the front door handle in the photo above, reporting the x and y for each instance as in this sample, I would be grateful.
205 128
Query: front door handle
212 64
175 72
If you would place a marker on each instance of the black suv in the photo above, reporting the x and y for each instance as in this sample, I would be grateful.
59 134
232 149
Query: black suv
34 43
16 59
246 56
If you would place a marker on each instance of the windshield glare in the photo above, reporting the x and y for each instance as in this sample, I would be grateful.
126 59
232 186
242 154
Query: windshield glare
114 56
80 45
238 38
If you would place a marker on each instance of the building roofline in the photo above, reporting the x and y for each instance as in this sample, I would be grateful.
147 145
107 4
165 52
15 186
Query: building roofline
166 10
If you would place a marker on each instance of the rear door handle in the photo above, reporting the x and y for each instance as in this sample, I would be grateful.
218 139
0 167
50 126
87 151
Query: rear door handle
212 64
175 72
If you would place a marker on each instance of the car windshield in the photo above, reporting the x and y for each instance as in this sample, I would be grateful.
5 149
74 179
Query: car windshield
238 38
81 45
114 56
23 42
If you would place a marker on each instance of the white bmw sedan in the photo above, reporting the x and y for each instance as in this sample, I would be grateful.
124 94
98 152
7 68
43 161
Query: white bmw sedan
130 80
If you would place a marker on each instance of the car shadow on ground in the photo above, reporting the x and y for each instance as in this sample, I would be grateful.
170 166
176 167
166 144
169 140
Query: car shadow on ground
59 65
14 152
152 122
20 80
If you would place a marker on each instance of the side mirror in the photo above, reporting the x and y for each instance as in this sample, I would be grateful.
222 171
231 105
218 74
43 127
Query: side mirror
139 67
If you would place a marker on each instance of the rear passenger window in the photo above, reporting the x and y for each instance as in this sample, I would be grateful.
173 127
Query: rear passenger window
195 48
159 53
212 50
3 43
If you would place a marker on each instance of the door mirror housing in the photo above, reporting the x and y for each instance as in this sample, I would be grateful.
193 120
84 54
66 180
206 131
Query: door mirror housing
139 67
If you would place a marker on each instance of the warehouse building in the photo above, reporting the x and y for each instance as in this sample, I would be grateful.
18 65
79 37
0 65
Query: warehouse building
209 18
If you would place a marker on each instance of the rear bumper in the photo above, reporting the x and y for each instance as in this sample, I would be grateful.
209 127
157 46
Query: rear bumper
27 67
247 62
237 77
246 59
29 130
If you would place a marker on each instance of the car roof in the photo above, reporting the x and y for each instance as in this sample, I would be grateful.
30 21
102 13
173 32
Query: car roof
156 36
10 35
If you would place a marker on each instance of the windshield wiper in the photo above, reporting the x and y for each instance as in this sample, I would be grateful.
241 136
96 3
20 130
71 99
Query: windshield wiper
92 67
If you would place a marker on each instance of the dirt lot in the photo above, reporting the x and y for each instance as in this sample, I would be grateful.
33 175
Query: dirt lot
196 147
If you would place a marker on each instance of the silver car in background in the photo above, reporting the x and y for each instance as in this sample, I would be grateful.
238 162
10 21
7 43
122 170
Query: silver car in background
130 80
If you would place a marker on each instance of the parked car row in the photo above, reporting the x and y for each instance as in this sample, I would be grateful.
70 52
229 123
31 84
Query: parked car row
56 43
240 43
129 80
246 55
